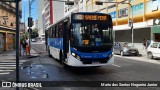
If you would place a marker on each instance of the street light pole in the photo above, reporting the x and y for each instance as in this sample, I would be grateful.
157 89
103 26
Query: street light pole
29 28
17 42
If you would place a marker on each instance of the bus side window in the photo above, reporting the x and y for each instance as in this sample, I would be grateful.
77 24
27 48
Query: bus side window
53 32
56 30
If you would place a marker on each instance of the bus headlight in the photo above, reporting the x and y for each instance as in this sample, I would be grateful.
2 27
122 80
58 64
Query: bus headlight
76 56
73 54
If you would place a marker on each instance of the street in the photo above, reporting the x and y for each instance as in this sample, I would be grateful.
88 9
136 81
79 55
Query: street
124 69
43 68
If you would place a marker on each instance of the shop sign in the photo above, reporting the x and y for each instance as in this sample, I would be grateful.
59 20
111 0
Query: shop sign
156 21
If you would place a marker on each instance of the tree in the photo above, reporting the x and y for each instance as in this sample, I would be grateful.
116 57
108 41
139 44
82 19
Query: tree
34 33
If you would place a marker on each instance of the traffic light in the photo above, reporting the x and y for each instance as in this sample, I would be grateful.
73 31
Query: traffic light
30 23
29 30
130 23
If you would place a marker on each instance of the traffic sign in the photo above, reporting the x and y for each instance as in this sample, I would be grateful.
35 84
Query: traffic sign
156 21
130 23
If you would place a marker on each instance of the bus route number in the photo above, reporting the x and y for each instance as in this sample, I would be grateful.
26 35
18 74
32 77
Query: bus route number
90 17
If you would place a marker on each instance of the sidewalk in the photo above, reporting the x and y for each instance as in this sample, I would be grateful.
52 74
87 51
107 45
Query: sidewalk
143 55
12 55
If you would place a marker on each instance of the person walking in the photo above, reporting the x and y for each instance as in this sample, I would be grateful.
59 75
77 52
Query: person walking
148 43
23 43
144 44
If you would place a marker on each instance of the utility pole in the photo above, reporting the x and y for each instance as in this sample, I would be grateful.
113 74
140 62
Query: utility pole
17 42
29 28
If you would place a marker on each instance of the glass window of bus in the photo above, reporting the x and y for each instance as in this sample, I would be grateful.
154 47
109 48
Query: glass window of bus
60 30
90 35
53 31
50 33
56 30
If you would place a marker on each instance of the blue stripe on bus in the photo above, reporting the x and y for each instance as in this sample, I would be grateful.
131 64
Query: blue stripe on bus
56 42
92 55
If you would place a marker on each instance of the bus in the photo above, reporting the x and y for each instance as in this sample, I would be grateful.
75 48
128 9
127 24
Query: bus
82 39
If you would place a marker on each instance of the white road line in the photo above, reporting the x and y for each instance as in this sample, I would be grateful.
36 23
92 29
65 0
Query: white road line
6 70
7 67
5 73
116 65
13 61
10 63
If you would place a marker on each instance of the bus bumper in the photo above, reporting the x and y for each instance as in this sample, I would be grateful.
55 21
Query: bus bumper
72 61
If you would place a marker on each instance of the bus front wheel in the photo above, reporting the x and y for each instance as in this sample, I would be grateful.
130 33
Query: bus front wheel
62 61
49 54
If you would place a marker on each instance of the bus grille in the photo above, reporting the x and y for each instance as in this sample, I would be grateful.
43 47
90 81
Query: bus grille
90 61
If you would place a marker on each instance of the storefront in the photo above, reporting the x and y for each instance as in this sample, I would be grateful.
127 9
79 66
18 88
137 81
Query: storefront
1 42
156 33
10 41
138 35
7 39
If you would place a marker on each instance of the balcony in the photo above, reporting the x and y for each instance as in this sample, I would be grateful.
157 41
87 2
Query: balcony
10 8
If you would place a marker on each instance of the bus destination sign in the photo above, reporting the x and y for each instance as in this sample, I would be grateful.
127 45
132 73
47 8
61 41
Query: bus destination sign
90 17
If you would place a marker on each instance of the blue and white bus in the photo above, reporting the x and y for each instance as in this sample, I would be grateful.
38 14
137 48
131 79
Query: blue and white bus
82 39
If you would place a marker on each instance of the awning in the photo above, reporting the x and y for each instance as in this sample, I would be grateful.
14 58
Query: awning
156 29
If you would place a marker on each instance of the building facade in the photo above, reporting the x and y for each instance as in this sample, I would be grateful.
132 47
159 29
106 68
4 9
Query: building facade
143 12
53 11
40 7
7 26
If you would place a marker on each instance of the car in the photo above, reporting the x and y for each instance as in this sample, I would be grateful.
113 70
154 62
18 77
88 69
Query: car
153 50
125 49
33 40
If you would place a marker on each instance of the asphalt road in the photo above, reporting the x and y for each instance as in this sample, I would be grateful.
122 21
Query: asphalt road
43 68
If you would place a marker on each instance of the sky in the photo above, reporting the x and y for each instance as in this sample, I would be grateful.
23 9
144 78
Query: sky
25 10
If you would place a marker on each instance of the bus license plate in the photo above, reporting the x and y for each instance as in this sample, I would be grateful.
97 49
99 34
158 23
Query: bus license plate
95 62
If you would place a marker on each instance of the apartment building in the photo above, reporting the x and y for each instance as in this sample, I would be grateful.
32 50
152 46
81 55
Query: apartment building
144 13
40 6
54 11
7 26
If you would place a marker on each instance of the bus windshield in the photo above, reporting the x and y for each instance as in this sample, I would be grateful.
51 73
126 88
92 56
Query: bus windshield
90 35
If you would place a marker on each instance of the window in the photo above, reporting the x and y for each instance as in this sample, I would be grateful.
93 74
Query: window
60 30
53 32
154 45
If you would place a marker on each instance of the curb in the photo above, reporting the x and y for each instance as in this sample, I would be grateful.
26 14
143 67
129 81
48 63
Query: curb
142 59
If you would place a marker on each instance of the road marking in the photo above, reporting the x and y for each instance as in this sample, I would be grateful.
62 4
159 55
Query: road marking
1 73
6 70
116 65
7 67
9 63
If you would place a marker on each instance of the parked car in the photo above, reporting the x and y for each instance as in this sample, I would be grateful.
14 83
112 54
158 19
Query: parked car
33 40
153 50
125 49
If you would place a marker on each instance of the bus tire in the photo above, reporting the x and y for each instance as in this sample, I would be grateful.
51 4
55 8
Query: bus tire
49 54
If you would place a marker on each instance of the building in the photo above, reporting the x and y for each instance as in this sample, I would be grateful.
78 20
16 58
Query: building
7 26
35 24
54 11
144 13
40 7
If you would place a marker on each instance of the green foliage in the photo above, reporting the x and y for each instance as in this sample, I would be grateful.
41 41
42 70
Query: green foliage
24 35
34 33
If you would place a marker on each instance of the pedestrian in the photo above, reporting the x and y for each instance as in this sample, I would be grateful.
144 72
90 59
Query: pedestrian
148 42
23 44
27 49
144 44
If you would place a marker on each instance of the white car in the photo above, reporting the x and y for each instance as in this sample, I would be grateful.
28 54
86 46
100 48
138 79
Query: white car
153 50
